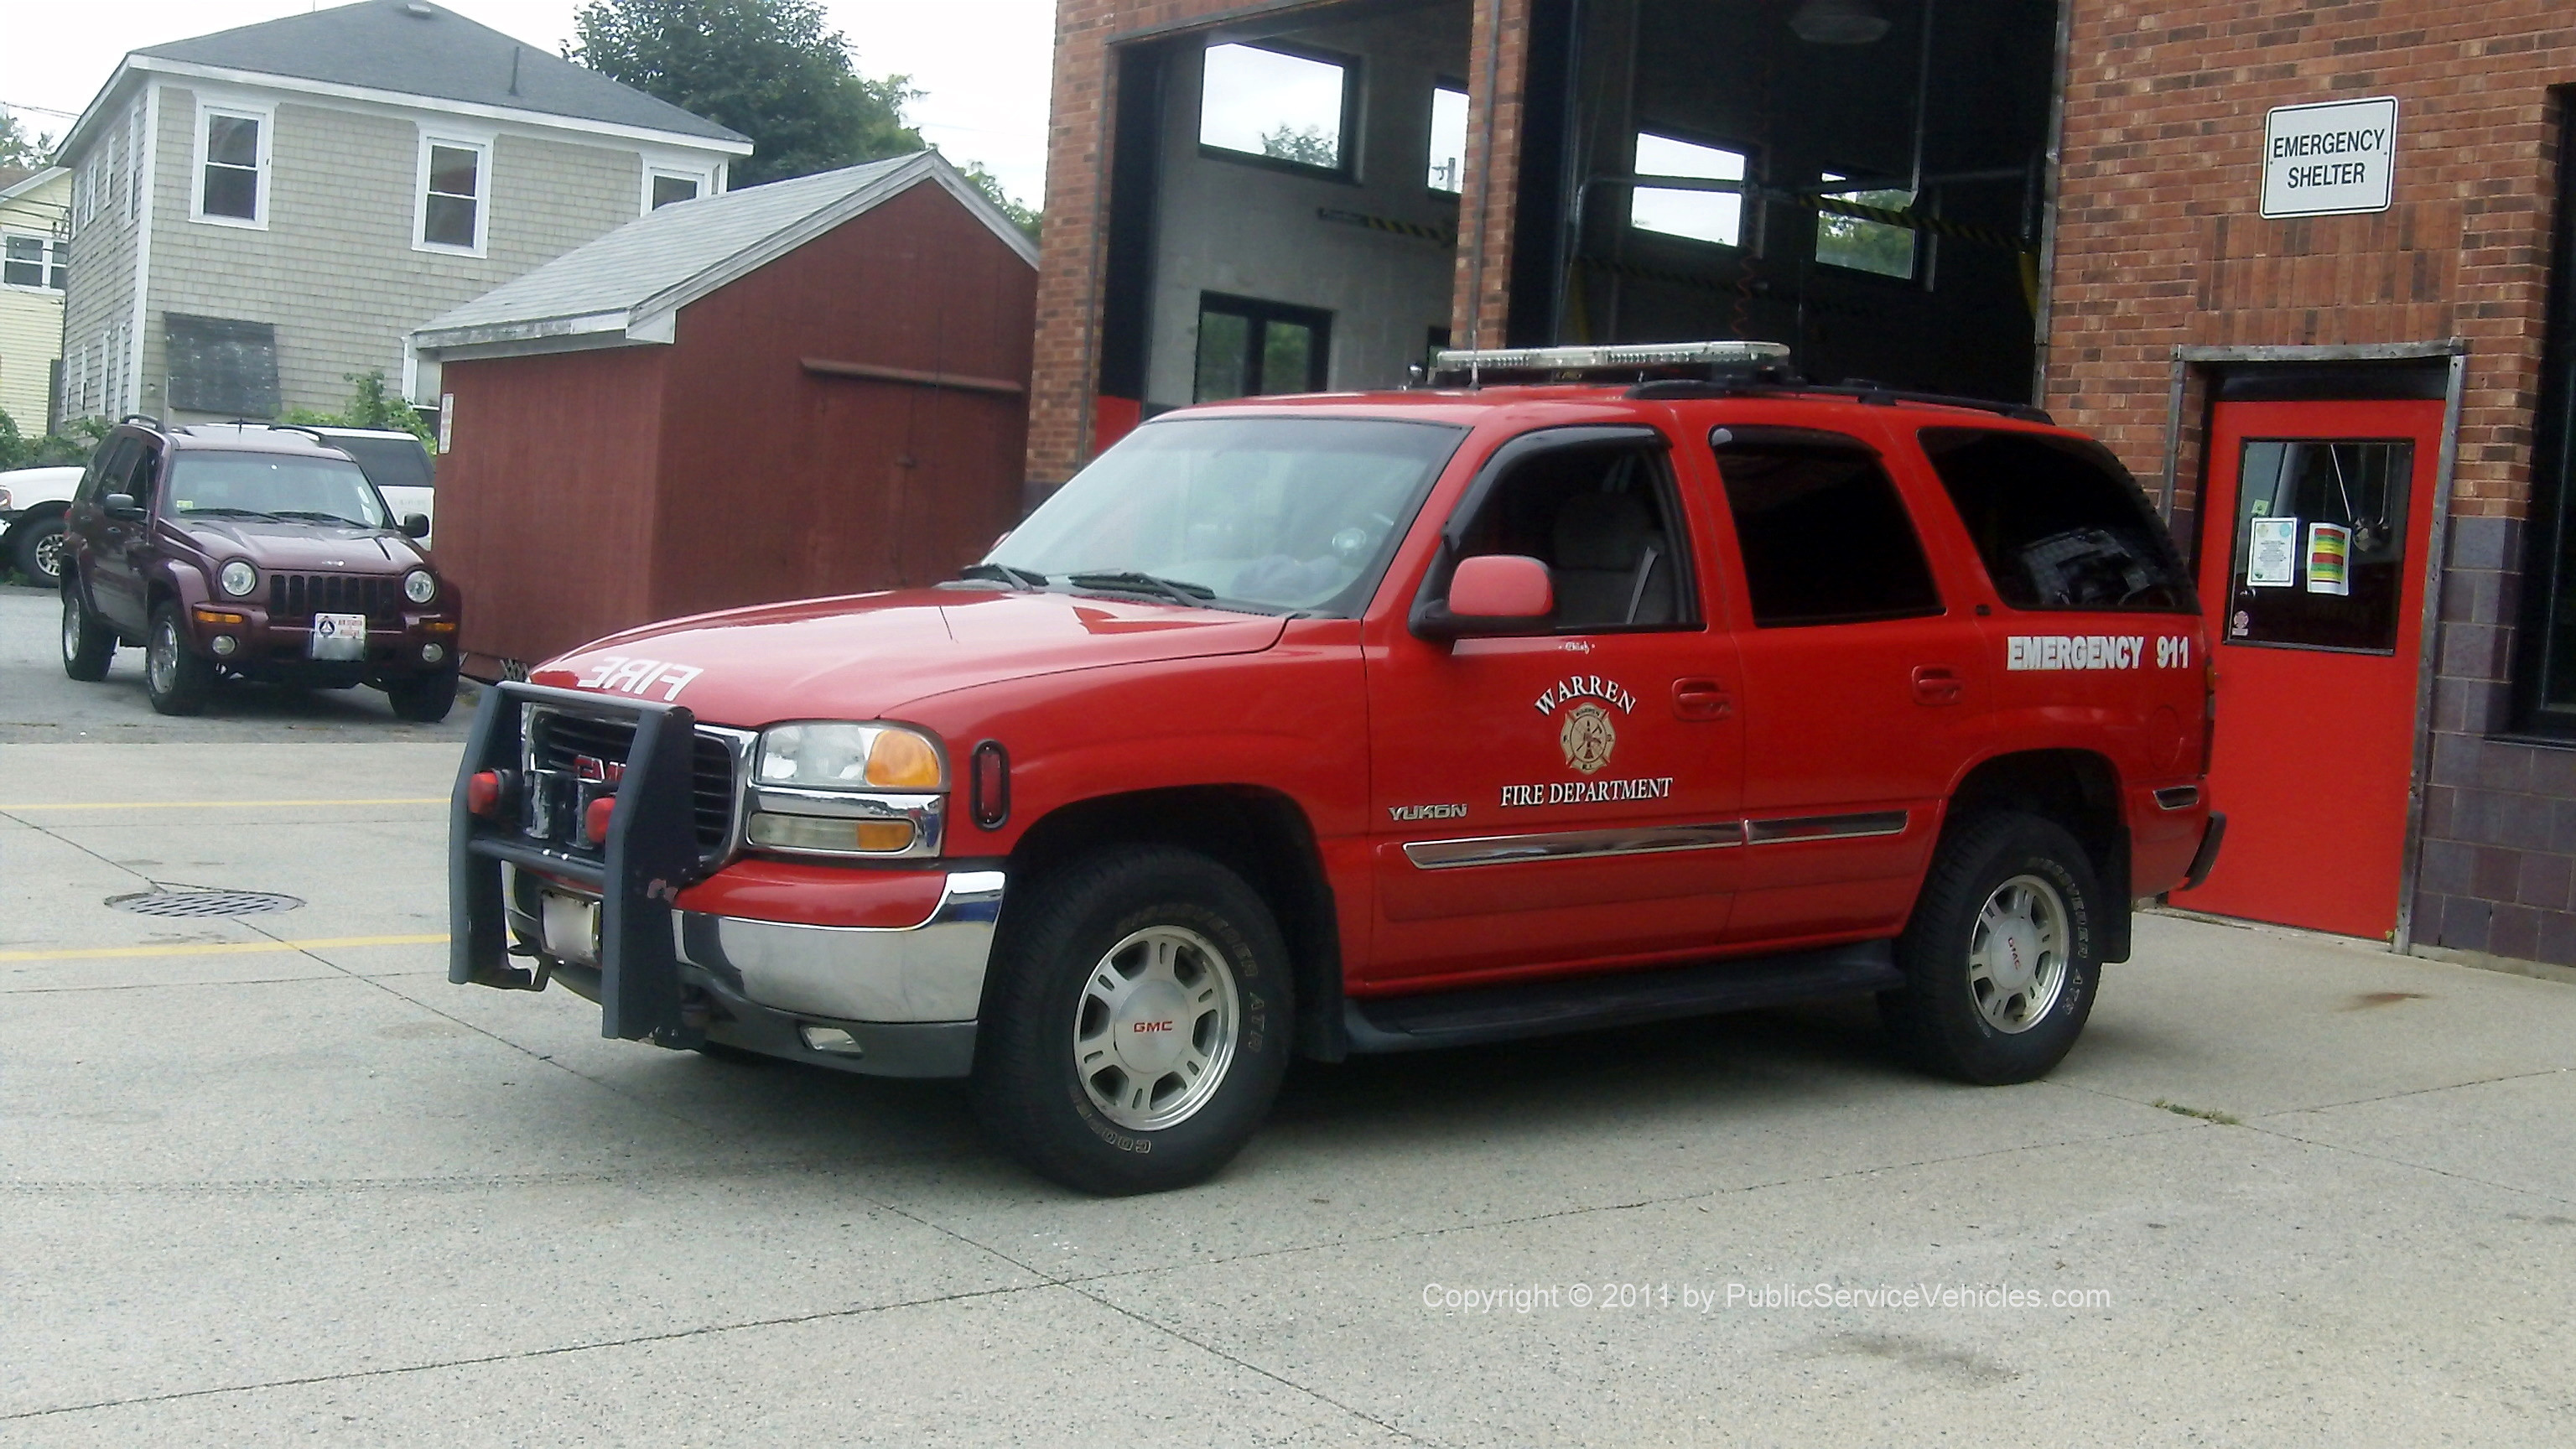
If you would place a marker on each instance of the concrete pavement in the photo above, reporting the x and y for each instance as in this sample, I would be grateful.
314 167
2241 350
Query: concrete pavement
315 1190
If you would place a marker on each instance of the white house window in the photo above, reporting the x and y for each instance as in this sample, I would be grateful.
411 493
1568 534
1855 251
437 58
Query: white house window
232 166
1709 216
455 189
134 162
670 186
28 260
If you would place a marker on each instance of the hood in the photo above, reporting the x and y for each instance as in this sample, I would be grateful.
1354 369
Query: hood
296 547
865 657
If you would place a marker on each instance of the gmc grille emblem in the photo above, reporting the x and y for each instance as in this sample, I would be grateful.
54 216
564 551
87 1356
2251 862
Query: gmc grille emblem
598 771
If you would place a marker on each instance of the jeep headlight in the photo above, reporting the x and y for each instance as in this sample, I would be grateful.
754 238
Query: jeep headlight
238 578
828 788
420 586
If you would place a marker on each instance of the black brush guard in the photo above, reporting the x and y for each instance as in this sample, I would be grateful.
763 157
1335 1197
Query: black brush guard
652 852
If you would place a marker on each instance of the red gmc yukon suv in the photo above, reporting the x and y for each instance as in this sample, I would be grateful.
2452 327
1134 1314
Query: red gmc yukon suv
1373 723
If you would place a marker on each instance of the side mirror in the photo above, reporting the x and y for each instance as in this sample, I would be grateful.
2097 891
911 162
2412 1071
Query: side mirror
119 505
1501 593
415 525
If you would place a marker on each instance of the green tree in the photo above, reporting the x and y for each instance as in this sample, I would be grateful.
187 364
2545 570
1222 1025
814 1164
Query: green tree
371 405
1310 146
1027 218
770 69
69 448
21 147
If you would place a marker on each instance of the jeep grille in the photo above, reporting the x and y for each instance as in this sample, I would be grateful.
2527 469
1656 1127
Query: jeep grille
297 596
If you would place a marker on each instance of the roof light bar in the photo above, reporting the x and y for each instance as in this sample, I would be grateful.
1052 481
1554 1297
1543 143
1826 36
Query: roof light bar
1572 363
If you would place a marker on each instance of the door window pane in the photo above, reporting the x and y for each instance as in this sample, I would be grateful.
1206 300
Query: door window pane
1825 535
1605 522
1252 348
1269 103
2059 523
2318 554
1710 216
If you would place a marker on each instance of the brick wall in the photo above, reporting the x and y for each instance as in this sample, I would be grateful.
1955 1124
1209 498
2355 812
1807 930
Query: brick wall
2159 245
1084 109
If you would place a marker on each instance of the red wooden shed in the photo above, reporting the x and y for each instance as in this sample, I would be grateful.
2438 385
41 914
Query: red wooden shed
813 387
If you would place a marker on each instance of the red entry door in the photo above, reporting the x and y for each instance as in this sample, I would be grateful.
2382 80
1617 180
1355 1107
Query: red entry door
2313 568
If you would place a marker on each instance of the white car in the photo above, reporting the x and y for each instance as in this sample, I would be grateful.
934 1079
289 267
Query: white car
396 463
32 501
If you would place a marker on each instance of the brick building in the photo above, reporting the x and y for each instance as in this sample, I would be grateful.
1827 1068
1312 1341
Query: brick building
2299 264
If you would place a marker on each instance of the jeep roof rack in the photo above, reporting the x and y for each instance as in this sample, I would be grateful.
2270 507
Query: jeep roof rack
1862 390
1612 363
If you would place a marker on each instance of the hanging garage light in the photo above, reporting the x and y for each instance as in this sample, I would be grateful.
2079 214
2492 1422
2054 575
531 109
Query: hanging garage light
1838 22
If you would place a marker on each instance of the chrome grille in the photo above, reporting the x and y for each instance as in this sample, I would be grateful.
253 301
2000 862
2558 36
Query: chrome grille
557 739
300 596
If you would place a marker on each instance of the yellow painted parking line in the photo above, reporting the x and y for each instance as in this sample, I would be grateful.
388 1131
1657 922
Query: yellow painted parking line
222 804
223 948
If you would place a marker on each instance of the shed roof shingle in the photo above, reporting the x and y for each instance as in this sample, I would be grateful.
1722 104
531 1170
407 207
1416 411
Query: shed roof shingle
426 50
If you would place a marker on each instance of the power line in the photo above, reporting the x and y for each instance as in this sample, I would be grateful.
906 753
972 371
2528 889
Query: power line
39 110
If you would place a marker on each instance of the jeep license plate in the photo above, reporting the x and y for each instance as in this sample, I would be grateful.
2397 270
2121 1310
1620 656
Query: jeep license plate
338 636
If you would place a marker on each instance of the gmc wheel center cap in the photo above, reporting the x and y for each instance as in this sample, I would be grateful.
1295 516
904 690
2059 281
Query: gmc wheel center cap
1150 1035
2012 955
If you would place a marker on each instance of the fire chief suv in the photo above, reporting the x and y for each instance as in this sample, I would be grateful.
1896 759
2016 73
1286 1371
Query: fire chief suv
1579 687
263 553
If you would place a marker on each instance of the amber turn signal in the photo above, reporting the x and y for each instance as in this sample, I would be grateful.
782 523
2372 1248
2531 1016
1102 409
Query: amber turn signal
830 834
220 618
904 761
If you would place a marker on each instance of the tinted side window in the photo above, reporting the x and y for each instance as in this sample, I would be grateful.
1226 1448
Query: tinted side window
1606 523
389 462
1825 535
2058 522
107 469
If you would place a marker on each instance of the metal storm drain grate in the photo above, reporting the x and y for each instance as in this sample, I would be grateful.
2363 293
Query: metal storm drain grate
201 904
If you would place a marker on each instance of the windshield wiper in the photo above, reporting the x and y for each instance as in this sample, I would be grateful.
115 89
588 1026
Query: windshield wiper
1029 579
319 517
1179 591
228 512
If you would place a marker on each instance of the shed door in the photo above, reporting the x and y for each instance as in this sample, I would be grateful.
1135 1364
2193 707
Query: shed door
2314 564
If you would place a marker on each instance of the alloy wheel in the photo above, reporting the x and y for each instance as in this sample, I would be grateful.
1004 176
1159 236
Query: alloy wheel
1156 1028
2017 953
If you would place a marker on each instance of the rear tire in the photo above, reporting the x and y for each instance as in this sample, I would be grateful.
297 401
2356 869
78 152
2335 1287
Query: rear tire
424 698
1136 1024
38 550
88 643
2000 957
176 678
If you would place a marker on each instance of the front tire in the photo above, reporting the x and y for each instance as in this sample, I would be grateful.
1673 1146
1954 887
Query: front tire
2000 958
423 698
88 643
1137 1023
38 548
175 677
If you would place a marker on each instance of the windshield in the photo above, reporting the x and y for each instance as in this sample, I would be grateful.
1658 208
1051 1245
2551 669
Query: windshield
275 485
1293 514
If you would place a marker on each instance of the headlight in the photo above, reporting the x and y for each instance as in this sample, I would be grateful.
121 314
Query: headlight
850 757
847 789
420 586
238 578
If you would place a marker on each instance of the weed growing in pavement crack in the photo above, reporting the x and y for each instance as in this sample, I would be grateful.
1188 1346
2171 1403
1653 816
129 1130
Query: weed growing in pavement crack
2206 1114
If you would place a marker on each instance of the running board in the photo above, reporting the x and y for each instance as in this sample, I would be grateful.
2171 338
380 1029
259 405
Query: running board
1584 1003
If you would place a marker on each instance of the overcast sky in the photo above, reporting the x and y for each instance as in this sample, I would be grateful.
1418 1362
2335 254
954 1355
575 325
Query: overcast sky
983 62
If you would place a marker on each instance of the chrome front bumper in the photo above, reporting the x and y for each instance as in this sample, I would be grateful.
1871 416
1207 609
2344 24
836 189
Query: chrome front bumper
931 972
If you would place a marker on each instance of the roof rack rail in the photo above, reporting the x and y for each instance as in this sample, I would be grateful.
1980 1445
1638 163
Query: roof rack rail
146 419
1861 390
